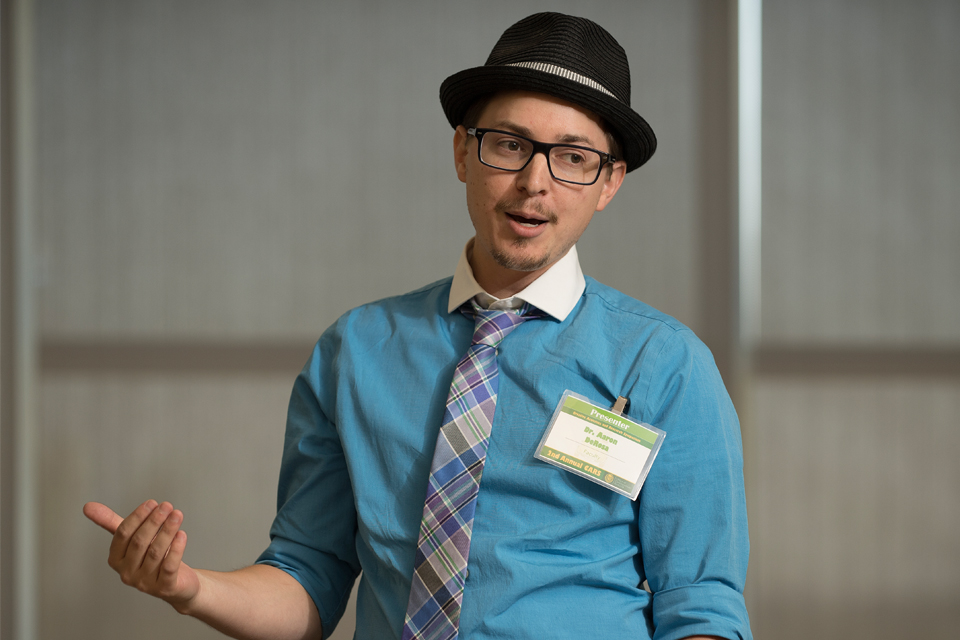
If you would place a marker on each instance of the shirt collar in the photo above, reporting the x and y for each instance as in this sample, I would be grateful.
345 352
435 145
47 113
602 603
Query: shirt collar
556 292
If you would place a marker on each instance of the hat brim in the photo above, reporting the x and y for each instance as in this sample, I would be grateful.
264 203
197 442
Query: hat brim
462 89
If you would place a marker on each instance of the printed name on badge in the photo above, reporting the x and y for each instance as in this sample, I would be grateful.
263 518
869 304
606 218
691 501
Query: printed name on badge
600 445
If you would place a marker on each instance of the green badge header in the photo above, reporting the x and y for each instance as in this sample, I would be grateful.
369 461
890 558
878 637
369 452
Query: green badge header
610 421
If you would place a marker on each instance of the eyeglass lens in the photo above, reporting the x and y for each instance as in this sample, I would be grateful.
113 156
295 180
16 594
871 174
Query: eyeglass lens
511 153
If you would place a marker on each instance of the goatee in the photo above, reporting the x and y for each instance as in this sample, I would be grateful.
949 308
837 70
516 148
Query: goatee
518 263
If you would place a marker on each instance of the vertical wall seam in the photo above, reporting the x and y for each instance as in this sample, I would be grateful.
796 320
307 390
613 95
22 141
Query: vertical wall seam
26 425
749 174
746 22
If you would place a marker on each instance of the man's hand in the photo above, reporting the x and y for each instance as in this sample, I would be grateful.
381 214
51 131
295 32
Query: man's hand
147 550
254 603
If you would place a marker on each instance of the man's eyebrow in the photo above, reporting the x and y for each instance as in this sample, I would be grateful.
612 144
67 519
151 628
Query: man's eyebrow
519 129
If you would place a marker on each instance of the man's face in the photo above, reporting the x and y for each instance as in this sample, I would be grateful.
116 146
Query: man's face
525 221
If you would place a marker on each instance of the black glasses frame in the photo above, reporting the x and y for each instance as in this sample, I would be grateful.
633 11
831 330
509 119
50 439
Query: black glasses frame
540 147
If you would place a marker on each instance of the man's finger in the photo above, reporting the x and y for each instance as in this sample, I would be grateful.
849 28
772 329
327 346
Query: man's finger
127 528
160 546
138 544
102 515
170 566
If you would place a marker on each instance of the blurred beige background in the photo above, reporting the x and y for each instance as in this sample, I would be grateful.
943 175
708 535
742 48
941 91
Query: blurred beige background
193 190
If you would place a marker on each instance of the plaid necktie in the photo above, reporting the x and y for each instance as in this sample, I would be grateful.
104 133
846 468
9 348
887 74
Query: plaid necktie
433 612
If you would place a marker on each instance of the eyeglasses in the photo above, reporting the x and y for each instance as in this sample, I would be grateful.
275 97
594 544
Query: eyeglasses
567 162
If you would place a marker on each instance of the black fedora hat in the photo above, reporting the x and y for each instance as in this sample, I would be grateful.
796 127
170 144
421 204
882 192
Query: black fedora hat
571 58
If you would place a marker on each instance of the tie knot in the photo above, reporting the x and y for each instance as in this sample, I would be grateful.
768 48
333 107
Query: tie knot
492 325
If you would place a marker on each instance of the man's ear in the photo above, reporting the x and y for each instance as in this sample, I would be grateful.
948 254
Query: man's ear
460 138
612 180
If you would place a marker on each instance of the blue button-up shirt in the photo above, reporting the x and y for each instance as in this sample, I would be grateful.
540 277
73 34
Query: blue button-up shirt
553 555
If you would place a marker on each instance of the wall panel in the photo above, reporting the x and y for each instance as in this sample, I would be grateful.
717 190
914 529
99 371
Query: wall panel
249 171
861 147
856 508
854 431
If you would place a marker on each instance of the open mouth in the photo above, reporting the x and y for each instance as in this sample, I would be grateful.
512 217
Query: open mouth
530 223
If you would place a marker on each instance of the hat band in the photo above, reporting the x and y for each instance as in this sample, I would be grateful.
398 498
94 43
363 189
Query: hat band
564 73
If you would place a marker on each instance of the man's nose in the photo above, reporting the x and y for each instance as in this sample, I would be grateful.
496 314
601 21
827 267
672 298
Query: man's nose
535 177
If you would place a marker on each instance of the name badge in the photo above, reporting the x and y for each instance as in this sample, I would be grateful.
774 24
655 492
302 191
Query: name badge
600 445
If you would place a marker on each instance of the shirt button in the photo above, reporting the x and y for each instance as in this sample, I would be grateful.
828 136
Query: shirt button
466 574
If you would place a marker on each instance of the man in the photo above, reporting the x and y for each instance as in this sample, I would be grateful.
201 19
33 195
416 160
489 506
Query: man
544 136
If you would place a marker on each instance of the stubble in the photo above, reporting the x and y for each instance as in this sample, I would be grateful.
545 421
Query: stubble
518 262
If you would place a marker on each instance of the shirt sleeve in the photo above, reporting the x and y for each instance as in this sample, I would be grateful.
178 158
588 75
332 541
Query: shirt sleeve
692 511
313 534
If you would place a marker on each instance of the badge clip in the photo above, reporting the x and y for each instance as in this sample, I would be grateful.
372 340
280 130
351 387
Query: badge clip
619 406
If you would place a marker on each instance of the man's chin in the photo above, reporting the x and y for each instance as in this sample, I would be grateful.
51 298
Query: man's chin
521 262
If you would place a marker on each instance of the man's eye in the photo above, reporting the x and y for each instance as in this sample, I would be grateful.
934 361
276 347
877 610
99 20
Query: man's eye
509 145
572 157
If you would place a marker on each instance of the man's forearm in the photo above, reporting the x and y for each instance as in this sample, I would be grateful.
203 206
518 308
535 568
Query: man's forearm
255 603
258 602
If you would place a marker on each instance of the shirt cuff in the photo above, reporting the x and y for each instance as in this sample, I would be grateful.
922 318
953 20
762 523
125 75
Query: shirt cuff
705 608
329 588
